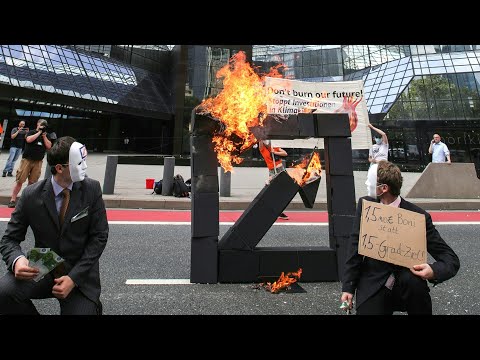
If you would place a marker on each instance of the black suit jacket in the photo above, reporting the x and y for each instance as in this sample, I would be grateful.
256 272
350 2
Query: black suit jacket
367 275
80 243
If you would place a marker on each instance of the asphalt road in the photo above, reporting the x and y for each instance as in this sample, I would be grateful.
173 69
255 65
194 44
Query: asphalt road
163 252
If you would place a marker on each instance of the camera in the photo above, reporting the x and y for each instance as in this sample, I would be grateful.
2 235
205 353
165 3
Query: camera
46 129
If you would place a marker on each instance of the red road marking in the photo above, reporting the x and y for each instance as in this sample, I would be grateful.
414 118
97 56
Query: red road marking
232 216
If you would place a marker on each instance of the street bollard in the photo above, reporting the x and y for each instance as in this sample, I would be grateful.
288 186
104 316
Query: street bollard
110 174
225 182
168 170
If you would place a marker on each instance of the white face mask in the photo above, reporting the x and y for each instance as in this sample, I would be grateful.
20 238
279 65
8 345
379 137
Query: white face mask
379 193
378 141
77 161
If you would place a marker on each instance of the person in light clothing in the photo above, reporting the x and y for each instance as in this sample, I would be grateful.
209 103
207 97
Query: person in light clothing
378 152
439 150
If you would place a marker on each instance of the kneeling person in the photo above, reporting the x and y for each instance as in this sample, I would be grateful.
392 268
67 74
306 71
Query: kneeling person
66 213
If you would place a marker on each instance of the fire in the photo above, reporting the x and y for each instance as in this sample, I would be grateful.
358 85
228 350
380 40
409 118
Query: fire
307 171
238 106
284 281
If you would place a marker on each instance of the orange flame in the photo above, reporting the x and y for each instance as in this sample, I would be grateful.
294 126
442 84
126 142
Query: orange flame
241 104
307 171
284 281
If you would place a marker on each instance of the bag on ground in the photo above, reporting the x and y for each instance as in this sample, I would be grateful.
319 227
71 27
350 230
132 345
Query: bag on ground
180 189
157 187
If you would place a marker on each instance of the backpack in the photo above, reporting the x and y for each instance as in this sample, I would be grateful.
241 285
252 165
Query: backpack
180 189
157 187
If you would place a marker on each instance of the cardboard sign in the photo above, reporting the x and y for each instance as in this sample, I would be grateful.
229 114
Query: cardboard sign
393 235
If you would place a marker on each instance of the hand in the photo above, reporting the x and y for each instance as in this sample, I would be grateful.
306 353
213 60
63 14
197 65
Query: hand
63 286
348 298
349 105
24 272
424 271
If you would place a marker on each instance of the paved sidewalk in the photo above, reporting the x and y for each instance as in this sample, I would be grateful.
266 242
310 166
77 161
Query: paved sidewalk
246 183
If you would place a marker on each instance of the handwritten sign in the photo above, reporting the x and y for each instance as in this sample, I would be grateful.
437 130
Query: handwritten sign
391 234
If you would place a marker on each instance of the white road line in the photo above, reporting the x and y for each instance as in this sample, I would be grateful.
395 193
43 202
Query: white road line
158 282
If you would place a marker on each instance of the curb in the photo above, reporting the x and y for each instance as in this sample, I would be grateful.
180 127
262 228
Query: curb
172 203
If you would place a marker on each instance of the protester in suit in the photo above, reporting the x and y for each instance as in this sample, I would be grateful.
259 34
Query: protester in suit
80 239
381 287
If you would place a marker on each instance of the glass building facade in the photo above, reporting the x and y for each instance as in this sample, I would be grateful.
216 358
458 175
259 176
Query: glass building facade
89 94
102 94
412 92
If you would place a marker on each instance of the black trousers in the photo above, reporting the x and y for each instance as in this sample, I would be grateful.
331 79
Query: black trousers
16 295
409 293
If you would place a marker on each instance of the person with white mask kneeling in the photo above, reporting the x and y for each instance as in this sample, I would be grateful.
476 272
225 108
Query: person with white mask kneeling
67 214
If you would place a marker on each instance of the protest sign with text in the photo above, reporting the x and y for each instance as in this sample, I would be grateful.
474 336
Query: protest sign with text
291 97
393 235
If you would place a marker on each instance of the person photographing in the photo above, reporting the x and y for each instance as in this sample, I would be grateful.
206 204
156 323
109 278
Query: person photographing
18 143
37 142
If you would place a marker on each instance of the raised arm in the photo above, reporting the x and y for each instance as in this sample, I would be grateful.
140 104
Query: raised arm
382 133
279 152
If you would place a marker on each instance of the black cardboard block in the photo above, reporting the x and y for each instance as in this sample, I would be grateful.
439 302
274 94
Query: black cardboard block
319 264
342 224
342 252
205 183
342 195
308 193
331 125
280 192
204 260
306 127
238 266
275 127
234 240
205 215
260 215
203 157
204 124
250 228
340 154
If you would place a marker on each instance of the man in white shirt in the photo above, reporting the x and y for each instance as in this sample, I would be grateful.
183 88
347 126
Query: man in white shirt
439 150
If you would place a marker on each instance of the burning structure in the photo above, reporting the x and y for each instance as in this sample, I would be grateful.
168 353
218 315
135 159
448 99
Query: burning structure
236 257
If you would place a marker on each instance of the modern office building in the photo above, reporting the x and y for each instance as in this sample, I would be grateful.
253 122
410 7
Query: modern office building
412 92
104 94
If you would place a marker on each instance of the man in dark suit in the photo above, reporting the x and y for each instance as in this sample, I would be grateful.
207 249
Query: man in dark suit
67 214
382 288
